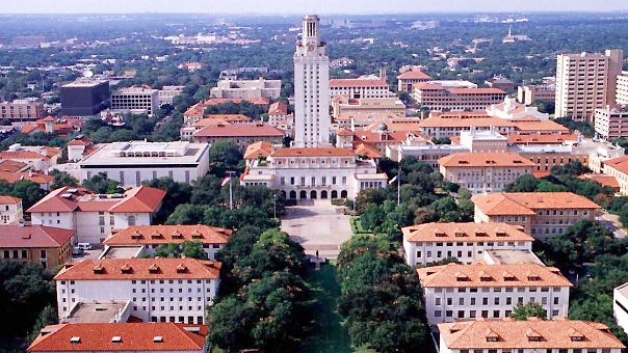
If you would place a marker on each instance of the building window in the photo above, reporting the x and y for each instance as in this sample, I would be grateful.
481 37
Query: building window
131 220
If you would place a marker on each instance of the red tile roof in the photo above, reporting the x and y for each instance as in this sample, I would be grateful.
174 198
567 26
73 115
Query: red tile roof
35 177
138 268
485 159
366 150
620 164
278 108
140 199
544 139
313 152
15 237
12 166
239 130
16 155
133 337
532 335
357 82
527 203
9 200
258 149
480 275
603 179
216 101
467 232
414 75
164 234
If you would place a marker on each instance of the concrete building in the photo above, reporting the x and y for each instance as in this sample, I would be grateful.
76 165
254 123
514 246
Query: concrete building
500 82
343 106
241 135
311 87
618 168
585 82
193 125
150 237
529 94
531 336
131 163
622 89
356 88
541 214
11 210
620 306
135 100
406 81
279 118
21 110
611 122
160 289
167 94
456 292
312 173
84 97
484 172
439 97
247 89
92 216
40 245
432 242
509 109
121 338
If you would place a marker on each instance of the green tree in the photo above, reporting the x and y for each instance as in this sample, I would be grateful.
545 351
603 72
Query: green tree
48 316
29 192
100 184
62 179
224 156
189 249
522 312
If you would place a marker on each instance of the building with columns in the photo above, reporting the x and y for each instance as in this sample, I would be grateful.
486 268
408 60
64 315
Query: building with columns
311 87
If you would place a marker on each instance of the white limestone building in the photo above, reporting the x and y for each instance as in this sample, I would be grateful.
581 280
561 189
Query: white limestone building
94 216
620 306
311 173
431 242
135 100
131 163
160 289
247 89
456 292
530 336
11 210
311 87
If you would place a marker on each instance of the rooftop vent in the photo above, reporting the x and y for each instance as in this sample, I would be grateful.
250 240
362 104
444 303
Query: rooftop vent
99 268
181 268
116 339
126 268
136 235
197 234
177 235
158 339
501 233
153 268
156 235
75 340
194 329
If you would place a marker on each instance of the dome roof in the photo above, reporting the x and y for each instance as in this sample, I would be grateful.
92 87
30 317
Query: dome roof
382 127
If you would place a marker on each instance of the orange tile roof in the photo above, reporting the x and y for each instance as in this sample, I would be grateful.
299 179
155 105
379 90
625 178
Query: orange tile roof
539 125
344 132
99 337
365 150
466 232
9 200
479 90
544 139
526 203
8 165
29 128
35 177
77 142
138 268
258 149
541 173
357 82
485 159
444 122
164 234
230 118
140 199
603 179
460 114
217 101
16 236
426 86
480 275
313 152
239 130
14 155
620 164
531 334
278 108
414 75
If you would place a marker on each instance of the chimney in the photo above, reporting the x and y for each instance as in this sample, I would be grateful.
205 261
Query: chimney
49 126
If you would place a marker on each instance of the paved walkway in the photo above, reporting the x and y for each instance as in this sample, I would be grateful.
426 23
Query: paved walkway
318 226
612 223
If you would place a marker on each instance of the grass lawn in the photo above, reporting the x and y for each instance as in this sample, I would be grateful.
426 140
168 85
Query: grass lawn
328 336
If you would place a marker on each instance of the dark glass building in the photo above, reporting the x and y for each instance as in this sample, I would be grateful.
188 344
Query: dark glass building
84 97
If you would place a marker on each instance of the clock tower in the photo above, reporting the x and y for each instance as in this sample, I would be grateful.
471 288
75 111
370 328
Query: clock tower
311 87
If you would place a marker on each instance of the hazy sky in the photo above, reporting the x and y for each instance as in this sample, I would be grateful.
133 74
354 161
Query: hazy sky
304 6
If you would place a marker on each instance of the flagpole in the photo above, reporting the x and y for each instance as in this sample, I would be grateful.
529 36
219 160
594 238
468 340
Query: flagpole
231 193
399 187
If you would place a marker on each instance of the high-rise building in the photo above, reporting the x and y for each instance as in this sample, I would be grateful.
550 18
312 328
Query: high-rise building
84 97
585 82
311 82
135 99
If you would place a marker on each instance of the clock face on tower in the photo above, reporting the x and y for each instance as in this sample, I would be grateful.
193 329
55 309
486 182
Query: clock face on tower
311 47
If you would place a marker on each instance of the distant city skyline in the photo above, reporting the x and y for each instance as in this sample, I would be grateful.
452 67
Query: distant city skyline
307 6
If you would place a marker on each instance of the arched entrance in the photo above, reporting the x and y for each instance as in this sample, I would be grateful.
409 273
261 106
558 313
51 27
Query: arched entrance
343 194
293 194
324 194
283 194
303 194
313 194
334 194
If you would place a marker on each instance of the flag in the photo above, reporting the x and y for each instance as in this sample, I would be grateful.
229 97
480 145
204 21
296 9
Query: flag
393 180
225 181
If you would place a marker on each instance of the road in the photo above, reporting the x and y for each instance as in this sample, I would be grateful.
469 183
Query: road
612 223
317 226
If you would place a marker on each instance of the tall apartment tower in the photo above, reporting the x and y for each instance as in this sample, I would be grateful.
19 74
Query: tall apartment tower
585 82
311 87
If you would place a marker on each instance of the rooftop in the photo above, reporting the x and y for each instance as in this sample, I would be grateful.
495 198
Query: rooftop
121 252
84 83
313 152
258 149
9 200
16 236
140 268
464 232
620 164
357 82
239 130
164 234
530 334
498 275
128 337
527 203
485 159
512 257
142 152
95 312
414 75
